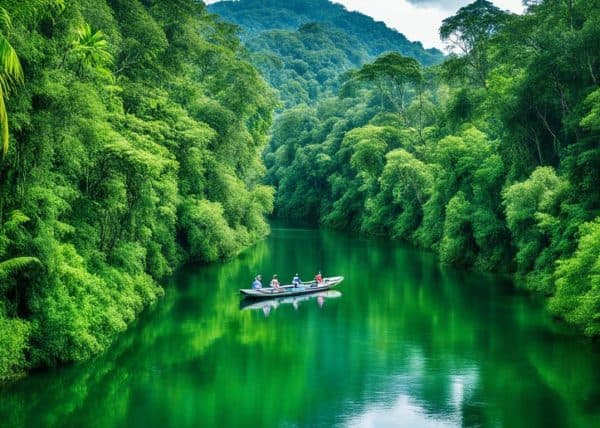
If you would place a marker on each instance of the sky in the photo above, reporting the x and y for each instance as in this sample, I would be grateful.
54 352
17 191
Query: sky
418 20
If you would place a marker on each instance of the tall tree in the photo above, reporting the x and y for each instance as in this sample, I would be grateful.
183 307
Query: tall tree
393 74
469 32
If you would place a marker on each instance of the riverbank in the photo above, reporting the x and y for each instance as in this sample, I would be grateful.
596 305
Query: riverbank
126 154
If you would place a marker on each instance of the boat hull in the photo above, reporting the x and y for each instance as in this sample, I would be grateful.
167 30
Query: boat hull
290 290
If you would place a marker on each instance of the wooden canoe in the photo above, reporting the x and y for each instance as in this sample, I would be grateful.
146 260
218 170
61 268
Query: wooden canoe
290 290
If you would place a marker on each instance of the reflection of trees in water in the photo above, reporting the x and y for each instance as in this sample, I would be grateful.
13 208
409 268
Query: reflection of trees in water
482 330
60 397
451 342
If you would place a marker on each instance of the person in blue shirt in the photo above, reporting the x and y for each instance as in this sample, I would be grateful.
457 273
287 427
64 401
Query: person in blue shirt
296 281
257 284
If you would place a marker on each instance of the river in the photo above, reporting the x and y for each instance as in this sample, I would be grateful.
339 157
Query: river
401 342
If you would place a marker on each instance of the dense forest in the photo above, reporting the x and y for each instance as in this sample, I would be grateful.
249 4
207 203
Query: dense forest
491 159
132 133
257 16
133 130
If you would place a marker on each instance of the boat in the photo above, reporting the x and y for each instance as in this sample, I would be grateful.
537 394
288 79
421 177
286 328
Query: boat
248 303
291 290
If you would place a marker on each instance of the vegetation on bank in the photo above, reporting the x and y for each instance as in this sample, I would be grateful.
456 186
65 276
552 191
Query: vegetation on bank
491 159
136 129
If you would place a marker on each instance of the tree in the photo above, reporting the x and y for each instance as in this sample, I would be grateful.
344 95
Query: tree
405 186
531 209
393 74
90 49
577 297
470 30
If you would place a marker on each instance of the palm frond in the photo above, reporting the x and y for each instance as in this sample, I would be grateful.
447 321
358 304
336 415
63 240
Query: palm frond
31 11
10 66
11 75
90 51
5 21
3 123
91 47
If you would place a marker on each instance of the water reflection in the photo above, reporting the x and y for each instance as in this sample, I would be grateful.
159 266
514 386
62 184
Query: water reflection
295 301
409 344
401 413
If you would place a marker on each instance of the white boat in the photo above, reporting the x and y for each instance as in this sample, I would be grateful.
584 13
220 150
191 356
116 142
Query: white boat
292 290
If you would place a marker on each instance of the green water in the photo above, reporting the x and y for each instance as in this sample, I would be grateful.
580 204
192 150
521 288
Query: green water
402 343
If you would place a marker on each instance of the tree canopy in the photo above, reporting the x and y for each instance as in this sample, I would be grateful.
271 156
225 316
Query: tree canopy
136 133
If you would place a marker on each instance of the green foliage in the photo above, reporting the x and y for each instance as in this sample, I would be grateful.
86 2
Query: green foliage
469 175
456 246
14 337
301 47
531 209
392 74
406 185
210 237
592 119
90 48
577 296
469 32
137 140
255 16
304 65
16 263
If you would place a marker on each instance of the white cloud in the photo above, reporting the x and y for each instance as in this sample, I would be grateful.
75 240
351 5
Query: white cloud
440 4
418 22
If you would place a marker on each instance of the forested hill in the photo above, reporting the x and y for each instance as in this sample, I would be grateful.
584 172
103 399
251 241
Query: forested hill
131 143
305 65
302 46
255 16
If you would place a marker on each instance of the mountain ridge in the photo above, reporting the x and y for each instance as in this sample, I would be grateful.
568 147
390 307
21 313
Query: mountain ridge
256 16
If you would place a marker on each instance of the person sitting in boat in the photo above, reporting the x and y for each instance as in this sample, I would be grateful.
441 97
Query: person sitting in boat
257 284
296 281
319 279
275 283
